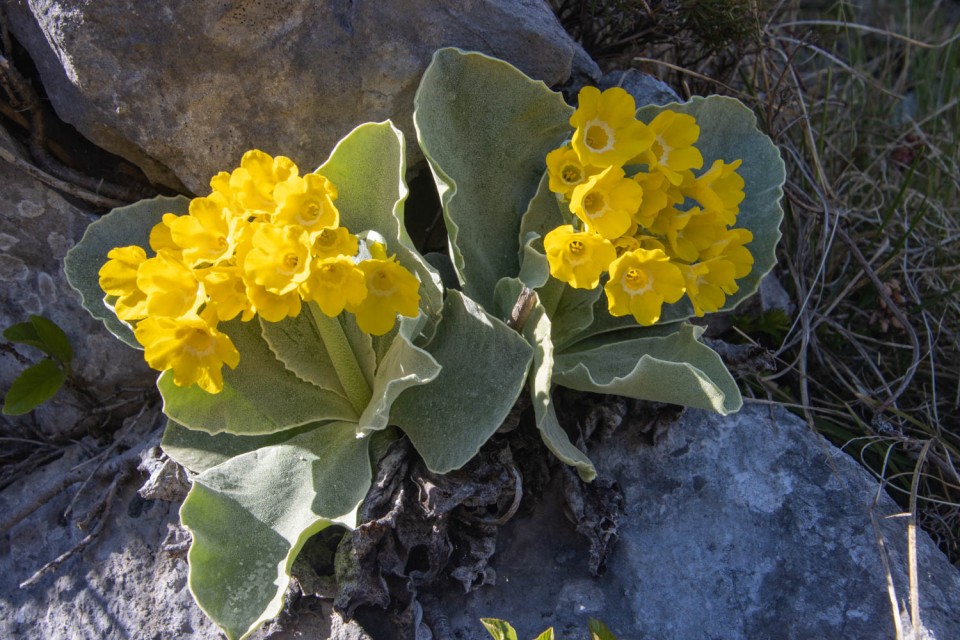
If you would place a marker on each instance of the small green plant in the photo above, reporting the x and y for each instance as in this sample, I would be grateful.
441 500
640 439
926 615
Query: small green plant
40 382
502 630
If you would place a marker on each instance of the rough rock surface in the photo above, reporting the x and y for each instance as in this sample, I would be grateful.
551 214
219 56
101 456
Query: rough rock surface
182 88
740 527
37 228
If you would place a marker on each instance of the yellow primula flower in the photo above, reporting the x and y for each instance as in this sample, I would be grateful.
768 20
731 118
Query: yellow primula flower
606 202
578 258
227 293
335 283
207 234
195 350
658 194
708 284
670 225
171 287
566 171
271 306
279 258
672 151
330 243
640 282
161 238
253 182
607 131
729 246
719 190
118 277
391 289
624 244
702 231
307 202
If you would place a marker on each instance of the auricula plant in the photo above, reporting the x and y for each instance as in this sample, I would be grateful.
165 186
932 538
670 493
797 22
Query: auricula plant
299 330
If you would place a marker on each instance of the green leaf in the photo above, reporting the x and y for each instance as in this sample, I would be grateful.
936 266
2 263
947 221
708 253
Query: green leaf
404 365
546 635
368 167
295 343
599 631
537 332
24 333
33 386
199 451
485 128
667 364
259 397
250 516
121 227
484 366
55 341
499 629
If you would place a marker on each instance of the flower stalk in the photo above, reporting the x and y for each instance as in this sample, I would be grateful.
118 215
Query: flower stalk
344 360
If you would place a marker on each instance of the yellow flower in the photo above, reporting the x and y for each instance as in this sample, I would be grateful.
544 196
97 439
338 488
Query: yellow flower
640 282
271 306
334 283
207 234
708 284
118 277
729 246
701 232
227 293
279 258
606 202
390 289
330 243
566 171
720 190
607 131
171 287
195 350
161 238
672 151
578 258
624 244
670 224
307 202
253 182
658 194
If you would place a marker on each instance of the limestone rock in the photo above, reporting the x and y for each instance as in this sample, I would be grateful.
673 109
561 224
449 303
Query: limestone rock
37 228
742 527
183 88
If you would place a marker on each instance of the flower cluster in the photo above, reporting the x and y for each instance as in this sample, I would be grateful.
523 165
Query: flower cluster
265 240
641 215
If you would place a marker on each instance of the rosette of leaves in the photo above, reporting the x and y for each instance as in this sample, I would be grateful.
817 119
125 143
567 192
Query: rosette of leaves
282 452
485 129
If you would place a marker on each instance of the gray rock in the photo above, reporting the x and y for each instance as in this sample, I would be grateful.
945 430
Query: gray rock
37 228
644 88
773 297
742 527
124 585
183 88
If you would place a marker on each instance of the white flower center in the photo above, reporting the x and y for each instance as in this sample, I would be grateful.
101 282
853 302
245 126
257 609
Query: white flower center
598 136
